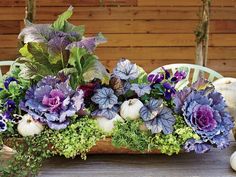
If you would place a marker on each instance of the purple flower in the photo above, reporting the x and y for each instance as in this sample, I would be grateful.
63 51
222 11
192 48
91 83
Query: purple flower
205 111
169 90
141 89
8 81
178 76
10 105
3 125
167 73
53 102
158 78
8 115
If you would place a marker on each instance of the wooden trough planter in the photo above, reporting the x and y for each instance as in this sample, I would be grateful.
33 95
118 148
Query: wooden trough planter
102 147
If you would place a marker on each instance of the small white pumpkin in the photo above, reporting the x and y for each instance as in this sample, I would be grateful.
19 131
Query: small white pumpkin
107 125
227 87
233 161
29 127
130 109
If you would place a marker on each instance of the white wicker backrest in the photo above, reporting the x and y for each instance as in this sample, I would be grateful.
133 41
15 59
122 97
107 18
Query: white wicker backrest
193 69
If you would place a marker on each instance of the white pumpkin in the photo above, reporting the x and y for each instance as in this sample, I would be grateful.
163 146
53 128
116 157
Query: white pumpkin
233 161
130 109
227 87
107 125
29 127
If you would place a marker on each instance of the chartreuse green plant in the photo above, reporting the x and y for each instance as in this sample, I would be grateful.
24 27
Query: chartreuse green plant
129 135
77 139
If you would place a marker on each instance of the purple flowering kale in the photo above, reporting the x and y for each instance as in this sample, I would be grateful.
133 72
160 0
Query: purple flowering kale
205 111
89 43
141 89
53 102
126 70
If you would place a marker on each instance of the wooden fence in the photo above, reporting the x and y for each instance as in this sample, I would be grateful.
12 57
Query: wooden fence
149 32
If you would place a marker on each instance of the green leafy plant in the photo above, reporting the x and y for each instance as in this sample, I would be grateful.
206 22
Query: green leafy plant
78 138
30 153
129 135
172 143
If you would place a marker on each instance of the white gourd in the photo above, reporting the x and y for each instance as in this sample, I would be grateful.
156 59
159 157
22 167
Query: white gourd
107 125
227 87
130 109
233 161
29 127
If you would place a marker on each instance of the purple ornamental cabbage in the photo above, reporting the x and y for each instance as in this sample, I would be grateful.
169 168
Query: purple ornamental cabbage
53 102
205 111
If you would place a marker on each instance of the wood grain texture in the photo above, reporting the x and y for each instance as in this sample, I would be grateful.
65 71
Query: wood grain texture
212 164
149 32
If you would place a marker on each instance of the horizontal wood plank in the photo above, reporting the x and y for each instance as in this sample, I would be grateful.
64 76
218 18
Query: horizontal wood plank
166 40
56 3
126 40
184 3
120 13
151 26
9 27
75 3
155 53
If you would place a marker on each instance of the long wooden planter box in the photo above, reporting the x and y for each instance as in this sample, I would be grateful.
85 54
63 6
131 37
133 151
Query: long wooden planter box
102 147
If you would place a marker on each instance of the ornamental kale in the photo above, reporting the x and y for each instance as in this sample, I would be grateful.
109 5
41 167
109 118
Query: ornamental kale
53 102
205 112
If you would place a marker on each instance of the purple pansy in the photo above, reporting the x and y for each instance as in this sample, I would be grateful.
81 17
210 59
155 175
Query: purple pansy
158 78
3 125
8 81
53 102
10 105
178 76
169 90
167 73
141 89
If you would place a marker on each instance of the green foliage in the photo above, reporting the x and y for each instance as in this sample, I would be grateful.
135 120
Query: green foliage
128 134
61 24
77 138
172 143
29 157
36 61
88 67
